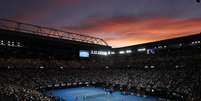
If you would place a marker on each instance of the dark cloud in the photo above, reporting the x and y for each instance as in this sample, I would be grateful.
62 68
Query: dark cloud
116 18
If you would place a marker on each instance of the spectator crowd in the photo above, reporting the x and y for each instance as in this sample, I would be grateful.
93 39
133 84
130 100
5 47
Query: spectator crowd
22 84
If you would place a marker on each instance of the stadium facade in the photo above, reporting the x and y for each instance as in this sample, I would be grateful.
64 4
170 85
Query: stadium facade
30 46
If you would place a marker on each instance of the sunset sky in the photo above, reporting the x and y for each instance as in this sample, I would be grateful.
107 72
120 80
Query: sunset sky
119 22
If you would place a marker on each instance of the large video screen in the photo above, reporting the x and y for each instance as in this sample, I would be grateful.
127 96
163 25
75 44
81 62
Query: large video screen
151 51
84 53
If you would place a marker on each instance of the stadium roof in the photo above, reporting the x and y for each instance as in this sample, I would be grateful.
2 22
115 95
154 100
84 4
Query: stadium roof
49 32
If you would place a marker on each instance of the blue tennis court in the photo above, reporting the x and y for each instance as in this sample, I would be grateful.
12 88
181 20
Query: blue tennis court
95 94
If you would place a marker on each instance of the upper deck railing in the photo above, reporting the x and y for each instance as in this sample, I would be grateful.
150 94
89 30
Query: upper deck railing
49 32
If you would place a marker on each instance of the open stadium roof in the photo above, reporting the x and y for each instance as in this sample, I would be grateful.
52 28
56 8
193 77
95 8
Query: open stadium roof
49 32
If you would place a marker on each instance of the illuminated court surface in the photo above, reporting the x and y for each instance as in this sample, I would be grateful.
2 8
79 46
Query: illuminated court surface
95 94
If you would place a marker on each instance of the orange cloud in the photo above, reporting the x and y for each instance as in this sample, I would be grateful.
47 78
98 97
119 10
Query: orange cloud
124 32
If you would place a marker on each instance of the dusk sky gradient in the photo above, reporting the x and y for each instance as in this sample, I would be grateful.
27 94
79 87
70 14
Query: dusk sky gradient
119 22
